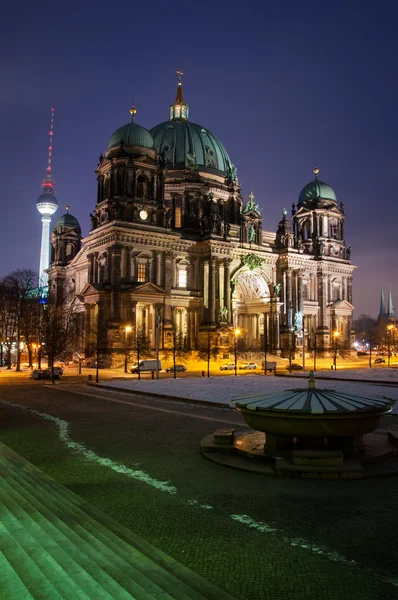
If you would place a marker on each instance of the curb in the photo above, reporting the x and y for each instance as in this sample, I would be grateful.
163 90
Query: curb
162 396
376 381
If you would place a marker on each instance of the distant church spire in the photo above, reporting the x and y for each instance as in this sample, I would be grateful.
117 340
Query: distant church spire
390 307
382 312
179 110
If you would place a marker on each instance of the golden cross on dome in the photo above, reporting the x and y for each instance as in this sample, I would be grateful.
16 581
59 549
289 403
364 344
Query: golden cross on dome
67 208
179 73
316 171
133 112
251 196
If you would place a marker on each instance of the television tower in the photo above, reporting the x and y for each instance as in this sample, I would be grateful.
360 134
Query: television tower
46 205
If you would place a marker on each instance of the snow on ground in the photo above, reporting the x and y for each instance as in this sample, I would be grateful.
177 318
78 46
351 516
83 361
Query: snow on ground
222 389
374 374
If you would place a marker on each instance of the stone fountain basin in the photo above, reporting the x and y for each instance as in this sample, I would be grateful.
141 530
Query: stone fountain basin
336 424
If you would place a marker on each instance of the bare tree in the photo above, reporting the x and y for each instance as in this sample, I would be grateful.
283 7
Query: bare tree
178 350
19 305
208 349
140 347
60 325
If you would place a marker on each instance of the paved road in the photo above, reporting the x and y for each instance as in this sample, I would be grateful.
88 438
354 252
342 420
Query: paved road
258 538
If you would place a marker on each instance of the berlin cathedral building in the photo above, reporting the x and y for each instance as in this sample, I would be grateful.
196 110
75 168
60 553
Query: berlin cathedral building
172 237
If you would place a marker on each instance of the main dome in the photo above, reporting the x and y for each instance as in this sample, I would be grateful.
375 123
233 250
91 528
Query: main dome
131 135
188 145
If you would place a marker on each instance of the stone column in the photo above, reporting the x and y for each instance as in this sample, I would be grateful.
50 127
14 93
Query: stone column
289 300
95 268
300 291
189 328
124 265
276 337
227 288
159 274
88 325
349 289
115 281
168 271
212 291
151 269
90 275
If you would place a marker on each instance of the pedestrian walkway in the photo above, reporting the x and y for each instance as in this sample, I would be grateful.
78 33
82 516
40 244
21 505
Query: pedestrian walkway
54 545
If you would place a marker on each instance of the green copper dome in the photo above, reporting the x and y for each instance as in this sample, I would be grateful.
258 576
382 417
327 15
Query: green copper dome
131 135
67 220
316 190
189 146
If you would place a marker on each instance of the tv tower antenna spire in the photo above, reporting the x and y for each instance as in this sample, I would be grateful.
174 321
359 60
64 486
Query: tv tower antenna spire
48 180
46 205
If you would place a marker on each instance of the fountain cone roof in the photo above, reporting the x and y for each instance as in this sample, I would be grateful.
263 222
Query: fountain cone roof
314 401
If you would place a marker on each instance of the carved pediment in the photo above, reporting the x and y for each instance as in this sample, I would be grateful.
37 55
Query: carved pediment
90 289
342 306
148 288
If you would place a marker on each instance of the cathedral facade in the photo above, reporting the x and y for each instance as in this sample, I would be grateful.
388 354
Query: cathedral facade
173 245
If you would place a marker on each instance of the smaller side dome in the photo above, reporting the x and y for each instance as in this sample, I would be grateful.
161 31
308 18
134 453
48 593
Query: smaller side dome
131 134
68 220
316 190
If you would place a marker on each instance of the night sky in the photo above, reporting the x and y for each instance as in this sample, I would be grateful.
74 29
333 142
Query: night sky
285 86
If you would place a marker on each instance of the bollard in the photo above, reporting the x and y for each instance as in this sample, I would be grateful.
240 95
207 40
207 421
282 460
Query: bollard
153 374
203 373
90 377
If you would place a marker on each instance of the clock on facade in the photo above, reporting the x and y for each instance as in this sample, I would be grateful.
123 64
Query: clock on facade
143 215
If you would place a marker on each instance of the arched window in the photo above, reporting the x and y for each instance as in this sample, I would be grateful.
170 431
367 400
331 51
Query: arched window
142 187
306 230
182 274
142 268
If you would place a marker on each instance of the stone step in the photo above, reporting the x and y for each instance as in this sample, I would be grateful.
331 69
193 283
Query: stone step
63 564
318 457
18 549
66 518
350 469
93 550
11 585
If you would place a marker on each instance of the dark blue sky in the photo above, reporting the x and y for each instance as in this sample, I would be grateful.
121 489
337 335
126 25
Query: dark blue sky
283 85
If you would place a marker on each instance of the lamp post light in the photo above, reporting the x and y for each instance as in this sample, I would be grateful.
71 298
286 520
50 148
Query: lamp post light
335 335
236 334
127 331
389 334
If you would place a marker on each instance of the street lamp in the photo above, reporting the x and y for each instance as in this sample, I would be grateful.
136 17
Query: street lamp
127 331
389 333
236 333
335 335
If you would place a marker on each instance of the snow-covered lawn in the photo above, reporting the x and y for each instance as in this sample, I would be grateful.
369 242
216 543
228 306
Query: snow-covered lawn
374 374
222 389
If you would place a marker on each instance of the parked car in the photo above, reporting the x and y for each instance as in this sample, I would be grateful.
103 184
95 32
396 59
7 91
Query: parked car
43 374
379 360
146 366
228 367
177 369
249 366
59 370
294 367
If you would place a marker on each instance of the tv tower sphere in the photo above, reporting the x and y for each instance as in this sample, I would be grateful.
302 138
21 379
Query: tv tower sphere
46 205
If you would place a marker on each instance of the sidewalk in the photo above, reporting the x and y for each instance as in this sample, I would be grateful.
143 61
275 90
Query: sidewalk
56 546
220 390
